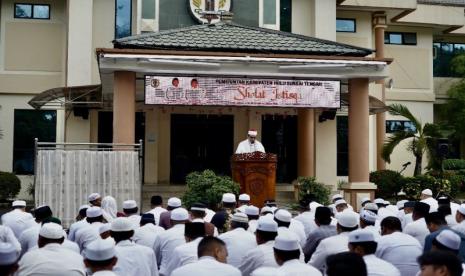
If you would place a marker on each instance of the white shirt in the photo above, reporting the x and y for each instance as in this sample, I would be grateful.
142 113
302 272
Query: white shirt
308 220
298 228
166 242
378 267
406 219
433 204
50 260
375 230
29 238
418 230
18 221
75 227
134 259
135 220
7 235
156 213
262 255
296 268
401 250
87 234
247 147
252 226
182 255
147 234
329 246
238 242
460 227
206 265
209 215
104 273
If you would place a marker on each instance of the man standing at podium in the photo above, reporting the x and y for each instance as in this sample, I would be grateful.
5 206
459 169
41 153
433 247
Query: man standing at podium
250 144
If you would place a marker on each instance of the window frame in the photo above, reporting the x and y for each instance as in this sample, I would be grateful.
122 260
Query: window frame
349 19
403 122
277 25
155 22
402 34
32 11
130 19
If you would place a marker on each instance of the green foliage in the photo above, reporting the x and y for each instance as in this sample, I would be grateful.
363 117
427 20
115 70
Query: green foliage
310 190
453 112
207 187
454 164
389 182
9 185
414 185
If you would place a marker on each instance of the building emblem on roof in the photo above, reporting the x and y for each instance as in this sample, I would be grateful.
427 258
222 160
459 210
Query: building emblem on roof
209 11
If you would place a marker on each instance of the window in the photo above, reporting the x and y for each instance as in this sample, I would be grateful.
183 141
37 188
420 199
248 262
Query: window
342 123
270 14
30 124
396 125
444 53
345 25
147 16
286 16
32 11
397 38
123 21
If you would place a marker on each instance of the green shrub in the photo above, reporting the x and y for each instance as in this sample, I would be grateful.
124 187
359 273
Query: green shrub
414 185
453 164
9 185
310 190
388 183
207 187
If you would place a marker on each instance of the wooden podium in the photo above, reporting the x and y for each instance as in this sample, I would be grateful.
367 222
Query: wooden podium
256 172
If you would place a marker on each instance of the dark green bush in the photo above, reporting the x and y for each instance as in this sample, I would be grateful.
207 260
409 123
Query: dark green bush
453 164
389 183
310 190
414 185
9 185
207 187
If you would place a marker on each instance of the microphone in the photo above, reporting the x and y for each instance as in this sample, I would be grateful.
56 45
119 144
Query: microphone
406 164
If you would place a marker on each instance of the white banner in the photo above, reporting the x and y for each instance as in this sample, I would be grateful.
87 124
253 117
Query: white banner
163 90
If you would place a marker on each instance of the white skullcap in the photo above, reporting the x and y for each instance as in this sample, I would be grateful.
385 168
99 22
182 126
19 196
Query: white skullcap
361 235
19 203
51 231
265 271
371 206
340 201
400 204
94 196
267 224
461 209
427 192
252 210
244 197
229 198
8 254
85 206
368 215
449 239
93 212
266 209
379 201
365 199
129 204
313 205
240 217
174 202
347 219
286 241
283 215
104 228
252 132
179 214
100 250
336 196
121 225
387 202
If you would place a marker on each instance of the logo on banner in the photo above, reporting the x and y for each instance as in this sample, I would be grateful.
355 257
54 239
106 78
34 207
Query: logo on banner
205 10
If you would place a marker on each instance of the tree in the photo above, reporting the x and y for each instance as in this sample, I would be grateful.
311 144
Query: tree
420 141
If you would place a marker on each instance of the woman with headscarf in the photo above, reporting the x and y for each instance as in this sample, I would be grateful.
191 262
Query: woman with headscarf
109 208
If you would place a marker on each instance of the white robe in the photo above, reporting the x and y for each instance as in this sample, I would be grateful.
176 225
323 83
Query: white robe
262 255
28 238
135 220
165 244
246 147
418 230
238 242
18 221
156 213
182 255
433 204
75 227
296 268
329 246
252 226
206 266
88 234
308 220
7 235
135 260
378 267
147 234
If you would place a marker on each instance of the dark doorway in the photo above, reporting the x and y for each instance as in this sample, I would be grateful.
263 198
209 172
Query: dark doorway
105 127
200 142
279 135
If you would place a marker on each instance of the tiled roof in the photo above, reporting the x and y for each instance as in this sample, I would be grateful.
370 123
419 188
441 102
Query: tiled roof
460 3
231 37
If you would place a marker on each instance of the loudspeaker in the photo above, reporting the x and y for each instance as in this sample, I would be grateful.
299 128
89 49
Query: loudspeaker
442 148
81 112
327 115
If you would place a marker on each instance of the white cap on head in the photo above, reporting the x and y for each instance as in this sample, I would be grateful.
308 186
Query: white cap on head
287 242
179 214
364 200
121 225
371 206
252 132
252 210
449 239
265 271
94 196
267 224
347 219
387 202
336 196
100 250
51 231
174 202
340 201
313 205
400 204
18 203
461 209
93 212
104 228
379 201
283 215
240 217
244 197
229 198
85 206
266 209
368 215
427 192
129 204
8 254
361 235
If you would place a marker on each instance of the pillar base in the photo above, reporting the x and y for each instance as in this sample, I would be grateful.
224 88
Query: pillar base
355 191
